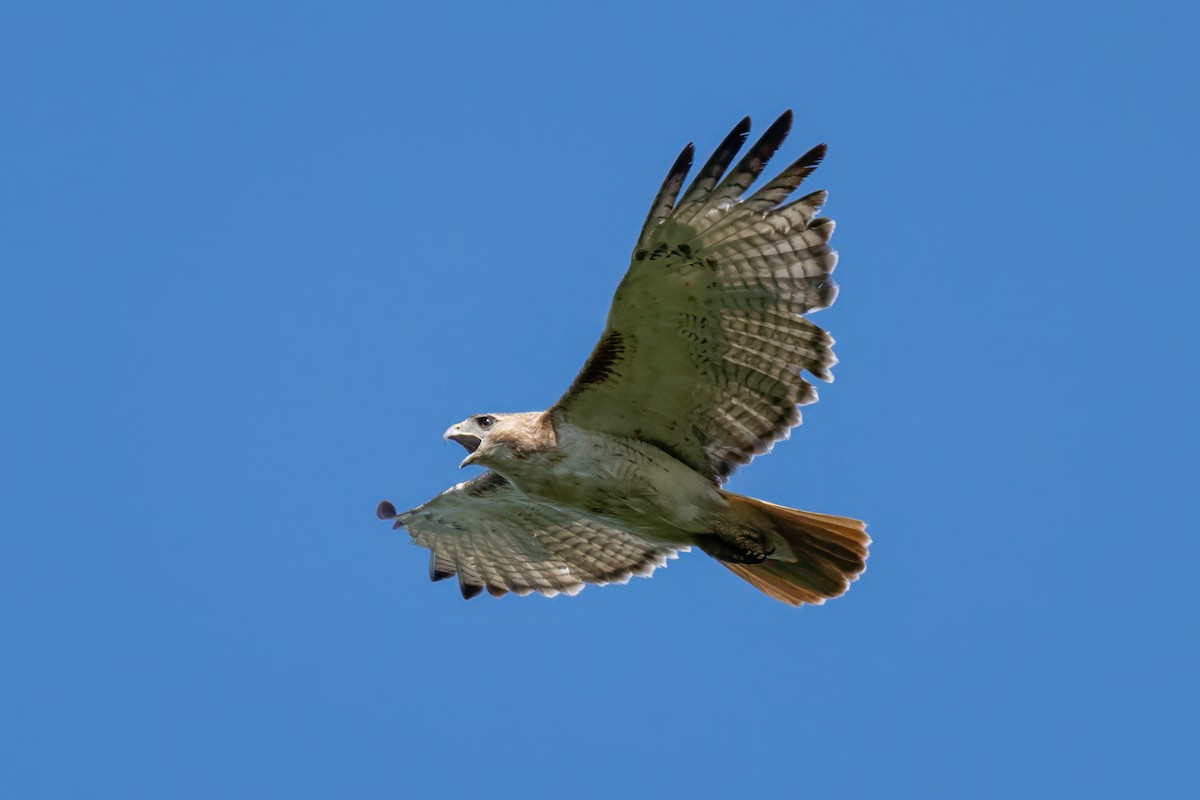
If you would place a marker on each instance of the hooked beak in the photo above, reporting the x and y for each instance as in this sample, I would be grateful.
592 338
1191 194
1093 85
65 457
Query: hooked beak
468 440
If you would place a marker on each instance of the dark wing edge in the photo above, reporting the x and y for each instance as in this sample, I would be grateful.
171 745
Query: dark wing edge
496 538
765 342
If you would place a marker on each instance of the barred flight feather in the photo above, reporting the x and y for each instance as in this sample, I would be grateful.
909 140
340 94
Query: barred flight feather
664 202
778 189
514 543
712 171
709 314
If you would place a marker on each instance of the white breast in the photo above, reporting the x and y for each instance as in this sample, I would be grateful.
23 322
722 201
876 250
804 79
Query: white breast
623 478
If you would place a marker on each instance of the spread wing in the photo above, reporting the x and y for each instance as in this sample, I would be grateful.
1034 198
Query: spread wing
705 343
495 537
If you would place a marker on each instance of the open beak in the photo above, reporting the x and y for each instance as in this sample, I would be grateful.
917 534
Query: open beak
468 440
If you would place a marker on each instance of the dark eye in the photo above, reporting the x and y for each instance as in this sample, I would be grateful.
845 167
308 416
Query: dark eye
485 421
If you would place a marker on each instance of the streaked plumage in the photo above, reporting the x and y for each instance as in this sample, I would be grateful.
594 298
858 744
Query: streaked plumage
699 369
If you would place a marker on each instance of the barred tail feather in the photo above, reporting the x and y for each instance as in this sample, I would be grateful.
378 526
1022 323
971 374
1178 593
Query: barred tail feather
816 557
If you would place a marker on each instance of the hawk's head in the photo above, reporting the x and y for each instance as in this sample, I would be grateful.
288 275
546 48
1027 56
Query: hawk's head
491 439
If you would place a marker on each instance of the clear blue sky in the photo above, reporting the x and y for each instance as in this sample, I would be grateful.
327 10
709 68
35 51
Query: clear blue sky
257 256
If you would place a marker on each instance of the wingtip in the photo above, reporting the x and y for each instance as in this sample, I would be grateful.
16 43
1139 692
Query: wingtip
436 573
780 128
469 590
684 162
385 510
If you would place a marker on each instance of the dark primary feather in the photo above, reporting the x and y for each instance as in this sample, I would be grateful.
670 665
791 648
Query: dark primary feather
752 164
664 201
715 167
778 189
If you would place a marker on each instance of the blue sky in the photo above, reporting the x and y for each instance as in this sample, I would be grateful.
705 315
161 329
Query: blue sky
258 255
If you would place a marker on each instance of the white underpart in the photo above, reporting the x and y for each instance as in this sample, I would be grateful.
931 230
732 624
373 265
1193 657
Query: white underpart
624 478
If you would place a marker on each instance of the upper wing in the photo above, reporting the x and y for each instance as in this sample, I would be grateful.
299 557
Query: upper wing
704 345
494 536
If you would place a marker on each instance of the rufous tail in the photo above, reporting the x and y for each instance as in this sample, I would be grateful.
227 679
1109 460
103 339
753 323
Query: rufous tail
815 557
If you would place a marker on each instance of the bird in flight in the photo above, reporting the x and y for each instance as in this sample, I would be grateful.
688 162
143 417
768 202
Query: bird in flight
699 369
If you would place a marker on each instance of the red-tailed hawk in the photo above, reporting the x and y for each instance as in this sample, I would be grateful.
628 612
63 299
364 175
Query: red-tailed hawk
698 370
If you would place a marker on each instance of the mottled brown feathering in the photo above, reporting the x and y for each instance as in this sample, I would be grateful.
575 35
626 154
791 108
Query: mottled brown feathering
535 434
702 365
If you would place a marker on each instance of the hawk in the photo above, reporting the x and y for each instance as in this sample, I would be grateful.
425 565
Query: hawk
699 369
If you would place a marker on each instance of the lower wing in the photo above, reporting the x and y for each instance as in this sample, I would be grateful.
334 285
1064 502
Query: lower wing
495 537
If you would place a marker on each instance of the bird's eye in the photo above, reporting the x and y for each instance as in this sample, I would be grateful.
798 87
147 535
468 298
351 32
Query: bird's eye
485 422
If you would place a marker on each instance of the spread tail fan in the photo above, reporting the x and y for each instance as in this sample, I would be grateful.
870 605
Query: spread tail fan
816 556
